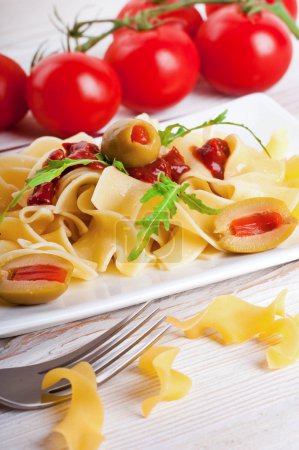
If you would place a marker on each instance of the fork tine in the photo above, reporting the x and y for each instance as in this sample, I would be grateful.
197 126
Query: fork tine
125 348
76 355
99 352
114 356
130 357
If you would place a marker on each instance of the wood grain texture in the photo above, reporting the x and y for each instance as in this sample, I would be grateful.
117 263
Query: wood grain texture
235 403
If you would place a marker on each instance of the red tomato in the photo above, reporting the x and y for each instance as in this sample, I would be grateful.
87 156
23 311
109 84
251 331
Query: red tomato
157 68
72 92
242 54
291 6
188 18
13 104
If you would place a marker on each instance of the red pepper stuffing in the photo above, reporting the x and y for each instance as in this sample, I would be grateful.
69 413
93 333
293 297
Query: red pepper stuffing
140 134
39 272
214 154
258 223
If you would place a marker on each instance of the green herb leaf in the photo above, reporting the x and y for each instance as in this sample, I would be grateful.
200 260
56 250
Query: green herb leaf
161 214
116 163
195 203
170 193
119 165
176 130
54 169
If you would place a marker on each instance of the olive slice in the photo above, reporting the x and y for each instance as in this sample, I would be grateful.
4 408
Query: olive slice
134 142
254 225
34 279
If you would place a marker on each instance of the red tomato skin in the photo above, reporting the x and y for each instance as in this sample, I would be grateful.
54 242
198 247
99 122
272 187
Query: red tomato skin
188 19
291 6
13 105
241 54
157 68
72 92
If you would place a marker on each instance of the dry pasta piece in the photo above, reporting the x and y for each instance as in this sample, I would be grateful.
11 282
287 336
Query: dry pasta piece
233 318
81 428
173 384
286 351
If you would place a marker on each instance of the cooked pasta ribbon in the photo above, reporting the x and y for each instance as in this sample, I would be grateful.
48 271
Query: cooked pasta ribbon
174 385
95 217
81 428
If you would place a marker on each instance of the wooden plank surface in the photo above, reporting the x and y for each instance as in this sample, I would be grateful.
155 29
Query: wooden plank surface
235 403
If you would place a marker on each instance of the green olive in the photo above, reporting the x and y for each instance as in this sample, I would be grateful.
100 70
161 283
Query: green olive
254 225
34 279
134 142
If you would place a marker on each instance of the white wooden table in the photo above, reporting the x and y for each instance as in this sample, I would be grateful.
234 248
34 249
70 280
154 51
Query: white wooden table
236 403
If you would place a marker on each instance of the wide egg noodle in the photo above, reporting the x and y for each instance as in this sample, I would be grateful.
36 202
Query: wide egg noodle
286 351
93 220
183 247
174 385
278 144
198 223
119 193
234 319
245 159
6 193
81 428
72 185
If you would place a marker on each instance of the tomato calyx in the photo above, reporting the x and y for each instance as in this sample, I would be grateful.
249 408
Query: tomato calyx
258 223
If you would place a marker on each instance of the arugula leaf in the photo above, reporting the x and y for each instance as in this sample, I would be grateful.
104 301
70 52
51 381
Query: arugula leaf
176 130
53 170
119 165
171 193
116 163
162 212
195 203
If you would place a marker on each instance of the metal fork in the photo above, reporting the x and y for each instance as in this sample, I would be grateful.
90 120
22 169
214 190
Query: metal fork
109 353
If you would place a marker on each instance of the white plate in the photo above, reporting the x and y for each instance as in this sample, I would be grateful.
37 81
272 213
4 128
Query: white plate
111 291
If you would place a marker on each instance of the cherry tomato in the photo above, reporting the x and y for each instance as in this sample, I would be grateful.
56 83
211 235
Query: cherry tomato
291 6
157 68
242 54
188 18
72 92
13 105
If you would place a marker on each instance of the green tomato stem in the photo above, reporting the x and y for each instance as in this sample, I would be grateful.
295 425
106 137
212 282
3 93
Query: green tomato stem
142 21
278 9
